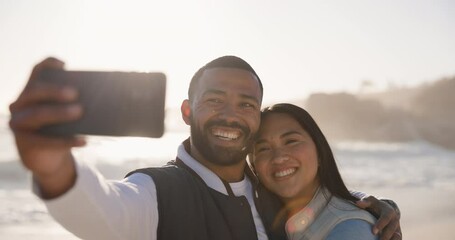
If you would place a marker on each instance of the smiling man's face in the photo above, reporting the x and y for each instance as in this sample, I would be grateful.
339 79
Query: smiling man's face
224 115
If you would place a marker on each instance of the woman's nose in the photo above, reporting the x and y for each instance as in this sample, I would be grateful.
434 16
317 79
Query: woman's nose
279 157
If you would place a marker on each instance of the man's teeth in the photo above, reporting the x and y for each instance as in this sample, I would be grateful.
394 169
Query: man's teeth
285 173
226 135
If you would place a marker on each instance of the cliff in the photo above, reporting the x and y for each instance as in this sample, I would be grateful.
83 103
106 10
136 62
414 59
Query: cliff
422 113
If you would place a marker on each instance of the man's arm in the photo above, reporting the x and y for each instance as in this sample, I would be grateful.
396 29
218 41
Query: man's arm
388 214
79 198
95 208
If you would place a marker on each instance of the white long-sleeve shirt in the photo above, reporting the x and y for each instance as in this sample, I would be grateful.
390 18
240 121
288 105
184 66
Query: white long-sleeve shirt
96 208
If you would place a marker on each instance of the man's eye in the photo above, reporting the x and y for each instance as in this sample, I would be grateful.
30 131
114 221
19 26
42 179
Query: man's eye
214 100
248 105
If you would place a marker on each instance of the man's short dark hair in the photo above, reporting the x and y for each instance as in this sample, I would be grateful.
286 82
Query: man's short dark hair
222 62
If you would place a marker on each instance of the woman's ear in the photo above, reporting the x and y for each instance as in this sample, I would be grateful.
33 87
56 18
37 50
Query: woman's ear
186 111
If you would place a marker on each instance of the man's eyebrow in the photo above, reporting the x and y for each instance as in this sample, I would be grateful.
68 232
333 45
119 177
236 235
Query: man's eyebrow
214 91
253 98
220 92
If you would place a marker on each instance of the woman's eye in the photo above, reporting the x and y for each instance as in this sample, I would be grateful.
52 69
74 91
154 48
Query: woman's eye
291 141
261 149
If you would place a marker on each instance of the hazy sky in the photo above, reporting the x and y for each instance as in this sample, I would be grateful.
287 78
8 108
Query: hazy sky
297 47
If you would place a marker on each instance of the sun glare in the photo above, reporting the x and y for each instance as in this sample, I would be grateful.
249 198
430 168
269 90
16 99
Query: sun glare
118 150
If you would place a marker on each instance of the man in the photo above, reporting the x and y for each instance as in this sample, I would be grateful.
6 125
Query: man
207 193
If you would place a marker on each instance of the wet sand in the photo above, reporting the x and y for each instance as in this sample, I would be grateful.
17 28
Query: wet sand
426 214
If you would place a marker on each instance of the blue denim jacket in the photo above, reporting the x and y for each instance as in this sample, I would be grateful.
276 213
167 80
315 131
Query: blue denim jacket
344 231
330 217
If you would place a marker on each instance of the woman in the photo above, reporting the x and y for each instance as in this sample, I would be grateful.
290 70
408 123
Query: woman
293 160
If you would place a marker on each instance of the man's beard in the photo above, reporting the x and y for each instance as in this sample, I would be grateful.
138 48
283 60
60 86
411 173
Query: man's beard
224 156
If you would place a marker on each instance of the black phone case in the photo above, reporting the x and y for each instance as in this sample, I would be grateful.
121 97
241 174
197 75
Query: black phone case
114 103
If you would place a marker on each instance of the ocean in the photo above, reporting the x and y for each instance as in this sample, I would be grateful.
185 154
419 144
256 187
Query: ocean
412 173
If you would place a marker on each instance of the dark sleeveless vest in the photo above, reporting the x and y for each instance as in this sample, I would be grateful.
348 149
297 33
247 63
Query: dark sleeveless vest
189 209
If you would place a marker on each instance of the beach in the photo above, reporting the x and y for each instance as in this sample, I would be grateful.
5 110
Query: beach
426 214
418 176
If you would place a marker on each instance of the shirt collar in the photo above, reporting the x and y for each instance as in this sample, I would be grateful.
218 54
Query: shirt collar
209 177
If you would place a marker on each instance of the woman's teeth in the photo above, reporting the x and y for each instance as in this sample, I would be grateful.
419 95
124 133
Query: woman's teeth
285 173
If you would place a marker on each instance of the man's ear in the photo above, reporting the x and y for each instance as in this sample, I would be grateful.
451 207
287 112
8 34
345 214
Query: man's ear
186 111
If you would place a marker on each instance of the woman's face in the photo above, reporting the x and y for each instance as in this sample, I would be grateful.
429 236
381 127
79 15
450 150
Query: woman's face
285 158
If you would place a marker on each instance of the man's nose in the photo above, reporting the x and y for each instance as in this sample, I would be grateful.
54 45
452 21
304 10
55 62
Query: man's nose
228 113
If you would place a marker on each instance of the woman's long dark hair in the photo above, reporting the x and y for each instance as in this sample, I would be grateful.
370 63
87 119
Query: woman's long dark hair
329 176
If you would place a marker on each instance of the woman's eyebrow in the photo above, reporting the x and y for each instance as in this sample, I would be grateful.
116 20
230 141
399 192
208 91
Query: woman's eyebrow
259 141
292 132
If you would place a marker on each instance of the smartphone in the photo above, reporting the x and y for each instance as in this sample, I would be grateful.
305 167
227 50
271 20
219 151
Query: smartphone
114 103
